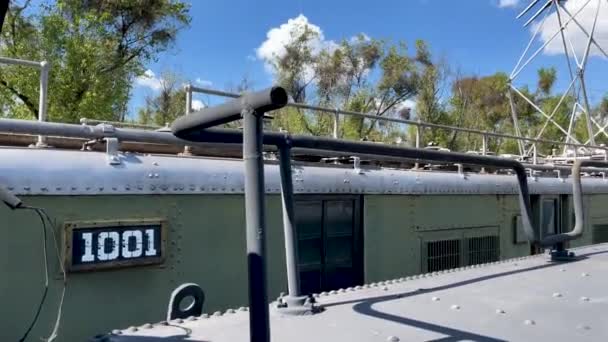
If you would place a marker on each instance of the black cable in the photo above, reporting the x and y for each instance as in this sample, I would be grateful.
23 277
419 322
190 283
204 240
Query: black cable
46 269
42 214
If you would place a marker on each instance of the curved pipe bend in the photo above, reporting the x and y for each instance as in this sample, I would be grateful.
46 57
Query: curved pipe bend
577 199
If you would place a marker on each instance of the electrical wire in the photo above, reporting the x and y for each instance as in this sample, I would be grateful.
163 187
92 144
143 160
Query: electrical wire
44 217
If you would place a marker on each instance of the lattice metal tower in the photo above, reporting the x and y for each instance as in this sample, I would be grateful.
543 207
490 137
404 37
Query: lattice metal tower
566 18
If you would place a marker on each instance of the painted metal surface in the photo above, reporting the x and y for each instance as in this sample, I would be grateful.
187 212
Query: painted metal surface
551 301
64 172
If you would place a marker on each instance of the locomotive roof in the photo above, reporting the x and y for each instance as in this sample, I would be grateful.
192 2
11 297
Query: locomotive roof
67 172
523 299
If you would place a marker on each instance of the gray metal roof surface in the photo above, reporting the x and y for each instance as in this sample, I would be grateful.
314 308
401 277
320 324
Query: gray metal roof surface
524 299
67 172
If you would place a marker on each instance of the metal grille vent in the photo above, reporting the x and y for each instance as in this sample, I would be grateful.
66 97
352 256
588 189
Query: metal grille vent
600 233
483 249
443 255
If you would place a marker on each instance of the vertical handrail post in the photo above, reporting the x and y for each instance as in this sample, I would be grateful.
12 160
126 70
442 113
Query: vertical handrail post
289 226
535 154
336 123
259 325
188 89
484 148
418 133
294 302
42 101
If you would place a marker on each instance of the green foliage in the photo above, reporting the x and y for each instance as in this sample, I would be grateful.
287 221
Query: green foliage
167 105
546 80
95 49
362 74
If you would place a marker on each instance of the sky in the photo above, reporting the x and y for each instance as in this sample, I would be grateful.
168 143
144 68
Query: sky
229 40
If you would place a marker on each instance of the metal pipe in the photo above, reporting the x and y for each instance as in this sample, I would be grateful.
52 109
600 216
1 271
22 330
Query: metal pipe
22 62
261 102
42 102
255 225
289 224
577 199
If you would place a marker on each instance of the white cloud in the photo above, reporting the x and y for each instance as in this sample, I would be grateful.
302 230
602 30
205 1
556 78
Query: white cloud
573 32
149 80
204 83
508 3
277 38
198 104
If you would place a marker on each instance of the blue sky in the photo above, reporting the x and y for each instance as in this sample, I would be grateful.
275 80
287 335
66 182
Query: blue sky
479 37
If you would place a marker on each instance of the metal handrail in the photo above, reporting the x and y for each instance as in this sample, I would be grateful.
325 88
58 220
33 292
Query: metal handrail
44 67
416 123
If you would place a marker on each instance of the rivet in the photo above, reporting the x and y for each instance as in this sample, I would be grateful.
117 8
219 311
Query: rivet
393 339
150 175
585 299
156 175
455 307
230 311
500 311
385 288
333 292
341 290
163 323
242 308
155 163
557 295
132 329
116 332
584 274
205 315
26 188
147 326
583 327
562 270
435 299
529 322
191 318
217 313
323 294
178 321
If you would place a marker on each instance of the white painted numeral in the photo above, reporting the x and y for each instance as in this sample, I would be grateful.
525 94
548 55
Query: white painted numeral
88 248
126 252
150 250
101 246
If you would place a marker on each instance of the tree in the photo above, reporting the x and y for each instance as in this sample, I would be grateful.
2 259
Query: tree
358 74
95 49
167 105
546 80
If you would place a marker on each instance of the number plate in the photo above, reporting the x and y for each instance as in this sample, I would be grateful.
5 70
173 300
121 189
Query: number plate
102 245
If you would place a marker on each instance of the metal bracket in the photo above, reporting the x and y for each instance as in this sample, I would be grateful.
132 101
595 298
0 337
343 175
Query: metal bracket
112 145
297 306
182 292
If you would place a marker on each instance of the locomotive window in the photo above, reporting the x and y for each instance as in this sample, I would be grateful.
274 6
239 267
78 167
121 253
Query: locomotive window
549 216
327 239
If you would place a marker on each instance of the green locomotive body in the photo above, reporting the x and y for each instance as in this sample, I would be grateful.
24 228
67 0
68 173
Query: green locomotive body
355 226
